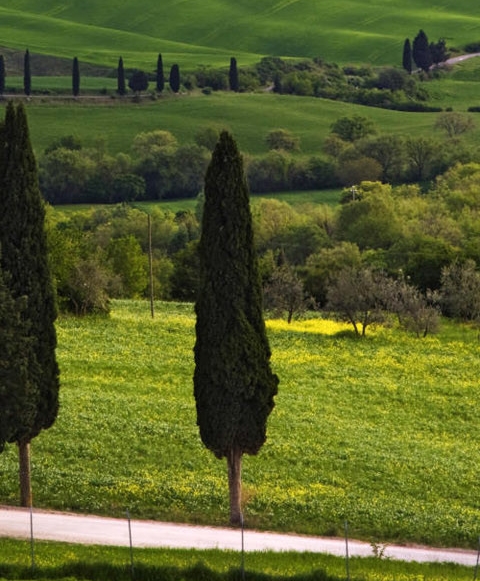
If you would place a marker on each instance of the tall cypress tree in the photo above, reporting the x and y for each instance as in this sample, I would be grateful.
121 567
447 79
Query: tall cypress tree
75 78
234 386
121 86
24 262
27 75
421 52
233 75
407 56
160 75
175 78
2 74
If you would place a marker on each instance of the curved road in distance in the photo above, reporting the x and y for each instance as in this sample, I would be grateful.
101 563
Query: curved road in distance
94 530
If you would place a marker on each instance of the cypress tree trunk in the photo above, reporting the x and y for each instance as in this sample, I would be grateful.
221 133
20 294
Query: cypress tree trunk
234 465
25 473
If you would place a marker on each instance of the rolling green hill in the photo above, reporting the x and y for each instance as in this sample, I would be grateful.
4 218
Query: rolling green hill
211 31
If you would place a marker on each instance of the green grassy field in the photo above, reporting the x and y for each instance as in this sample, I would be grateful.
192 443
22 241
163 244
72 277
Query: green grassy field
249 117
197 32
382 432
62 561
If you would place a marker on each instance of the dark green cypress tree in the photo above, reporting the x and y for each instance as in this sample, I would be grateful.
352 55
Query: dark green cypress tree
24 262
160 75
121 86
233 75
75 78
27 75
2 74
175 78
421 52
17 394
407 56
234 386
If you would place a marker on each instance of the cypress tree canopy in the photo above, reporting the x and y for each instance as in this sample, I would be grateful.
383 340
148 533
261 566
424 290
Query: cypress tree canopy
234 386
24 262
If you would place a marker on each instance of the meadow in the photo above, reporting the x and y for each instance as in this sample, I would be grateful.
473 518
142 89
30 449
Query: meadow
63 561
382 432
191 33
248 116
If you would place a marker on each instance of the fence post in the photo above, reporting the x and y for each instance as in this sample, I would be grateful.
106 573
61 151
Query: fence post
32 542
478 560
347 564
131 544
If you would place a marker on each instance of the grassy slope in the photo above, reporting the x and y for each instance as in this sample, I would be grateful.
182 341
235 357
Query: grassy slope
382 432
59 561
249 117
191 32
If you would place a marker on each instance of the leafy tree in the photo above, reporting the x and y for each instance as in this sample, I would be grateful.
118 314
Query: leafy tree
147 143
121 87
207 137
72 142
360 169
2 74
130 264
407 56
233 384
389 152
160 78
75 77
138 82
27 75
421 153
24 259
233 75
87 289
284 293
371 220
282 139
438 52
358 296
353 128
460 290
175 78
421 52
454 124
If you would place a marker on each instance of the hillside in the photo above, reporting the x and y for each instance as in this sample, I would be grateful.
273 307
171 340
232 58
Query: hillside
210 32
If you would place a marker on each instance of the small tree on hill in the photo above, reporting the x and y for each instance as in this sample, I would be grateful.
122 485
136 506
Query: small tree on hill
175 78
121 88
75 78
138 82
2 74
160 75
27 75
234 386
24 260
407 56
233 75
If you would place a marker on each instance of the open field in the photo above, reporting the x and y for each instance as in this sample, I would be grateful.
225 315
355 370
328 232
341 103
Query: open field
382 432
194 32
248 116
59 561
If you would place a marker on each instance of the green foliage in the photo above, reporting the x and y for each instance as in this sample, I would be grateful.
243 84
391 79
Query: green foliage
282 139
24 262
421 53
138 82
174 78
121 87
160 77
27 74
233 75
234 386
353 128
75 78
